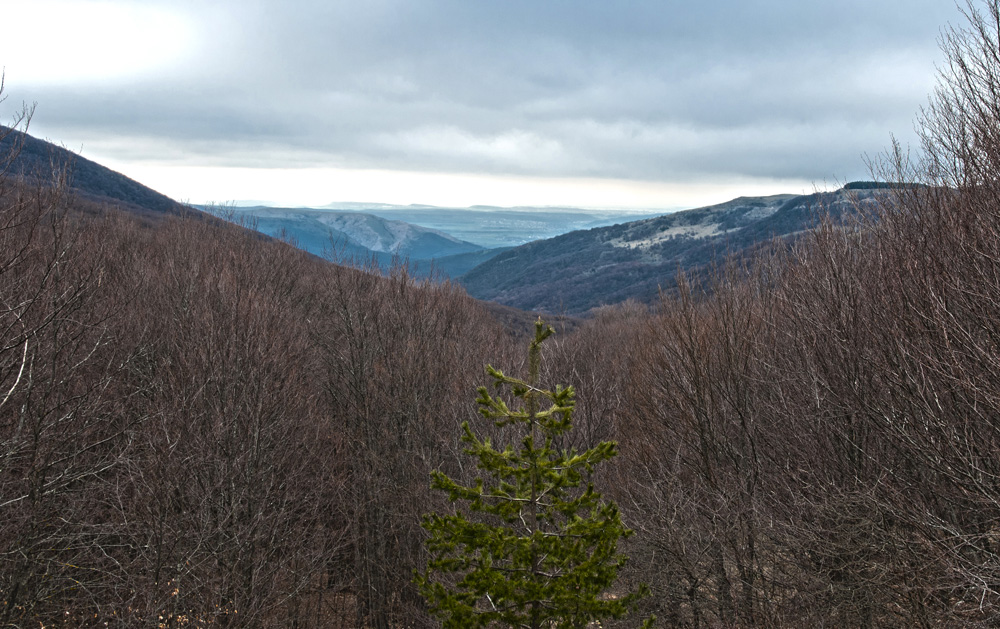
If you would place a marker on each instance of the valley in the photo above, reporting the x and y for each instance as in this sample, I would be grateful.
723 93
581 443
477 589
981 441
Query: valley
445 241
794 401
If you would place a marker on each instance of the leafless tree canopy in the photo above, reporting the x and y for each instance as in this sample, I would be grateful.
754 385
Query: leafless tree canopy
199 427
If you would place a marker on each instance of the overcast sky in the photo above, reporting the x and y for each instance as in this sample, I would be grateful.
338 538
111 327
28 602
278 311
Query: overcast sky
662 103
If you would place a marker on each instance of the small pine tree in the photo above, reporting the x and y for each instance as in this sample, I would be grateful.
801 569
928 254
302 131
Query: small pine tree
544 552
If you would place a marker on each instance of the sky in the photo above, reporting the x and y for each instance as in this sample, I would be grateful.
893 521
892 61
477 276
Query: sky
588 103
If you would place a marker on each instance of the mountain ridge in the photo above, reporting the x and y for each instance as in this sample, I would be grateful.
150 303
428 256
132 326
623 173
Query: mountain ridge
353 235
40 160
583 270
571 273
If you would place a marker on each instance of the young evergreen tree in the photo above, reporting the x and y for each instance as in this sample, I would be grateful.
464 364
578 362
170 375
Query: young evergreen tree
543 551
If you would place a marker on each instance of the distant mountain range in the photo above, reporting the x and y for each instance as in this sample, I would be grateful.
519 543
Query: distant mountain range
445 241
581 270
487 226
492 227
570 273
355 236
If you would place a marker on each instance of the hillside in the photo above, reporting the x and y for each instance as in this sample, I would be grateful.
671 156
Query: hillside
357 237
354 235
454 265
38 159
582 270
202 426
446 241
495 227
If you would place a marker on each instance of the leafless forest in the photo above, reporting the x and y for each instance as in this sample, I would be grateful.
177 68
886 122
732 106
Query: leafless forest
199 427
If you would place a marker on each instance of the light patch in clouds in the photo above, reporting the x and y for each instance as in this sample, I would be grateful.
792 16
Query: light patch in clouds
514 149
78 42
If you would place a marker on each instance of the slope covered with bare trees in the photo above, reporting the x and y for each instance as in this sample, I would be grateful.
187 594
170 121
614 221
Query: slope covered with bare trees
199 427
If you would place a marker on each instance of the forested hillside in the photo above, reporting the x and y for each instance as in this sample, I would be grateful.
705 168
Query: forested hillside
586 269
199 427
43 161
357 236
203 427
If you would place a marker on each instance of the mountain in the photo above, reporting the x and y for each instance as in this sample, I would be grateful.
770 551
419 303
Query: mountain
489 226
362 206
493 227
581 270
571 273
354 235
454 265
444 241
38 159
358 236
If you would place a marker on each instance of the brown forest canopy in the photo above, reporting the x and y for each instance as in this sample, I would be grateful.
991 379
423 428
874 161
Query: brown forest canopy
199 427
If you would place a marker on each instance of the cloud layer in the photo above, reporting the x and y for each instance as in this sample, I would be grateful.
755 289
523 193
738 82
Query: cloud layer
660 91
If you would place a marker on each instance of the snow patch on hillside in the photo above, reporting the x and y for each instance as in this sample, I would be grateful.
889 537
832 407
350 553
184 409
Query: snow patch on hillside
701 230
761 212
384 236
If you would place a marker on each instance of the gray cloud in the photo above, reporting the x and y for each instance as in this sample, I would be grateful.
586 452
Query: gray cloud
655 90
